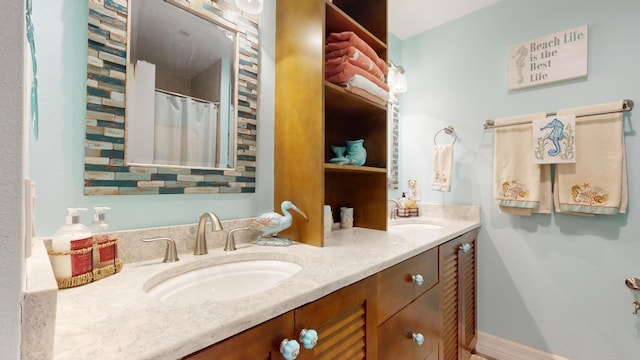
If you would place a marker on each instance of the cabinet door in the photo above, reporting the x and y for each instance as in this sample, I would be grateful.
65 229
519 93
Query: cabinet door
458 274
396 335
261 342
345 321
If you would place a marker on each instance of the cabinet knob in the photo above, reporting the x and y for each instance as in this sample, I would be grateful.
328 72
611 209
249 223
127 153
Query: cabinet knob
308 338
465 247
417 279
289 349
418 338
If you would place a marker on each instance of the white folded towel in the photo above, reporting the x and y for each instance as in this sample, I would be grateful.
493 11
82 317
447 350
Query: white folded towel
520 186
597 182
442 167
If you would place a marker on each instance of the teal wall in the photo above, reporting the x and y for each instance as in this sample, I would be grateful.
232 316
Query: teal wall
555 283
56 158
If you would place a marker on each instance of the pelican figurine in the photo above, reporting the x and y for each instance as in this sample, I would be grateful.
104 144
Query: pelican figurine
271 223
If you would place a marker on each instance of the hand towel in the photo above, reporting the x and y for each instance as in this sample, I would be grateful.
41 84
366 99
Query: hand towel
442 167
597 182
520 186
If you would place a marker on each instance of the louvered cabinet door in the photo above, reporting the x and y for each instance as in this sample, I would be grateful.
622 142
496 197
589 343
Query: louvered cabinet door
261 342
345 321
458 275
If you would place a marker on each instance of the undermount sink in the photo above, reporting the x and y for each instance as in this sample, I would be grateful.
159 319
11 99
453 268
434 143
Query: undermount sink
415 224
222 281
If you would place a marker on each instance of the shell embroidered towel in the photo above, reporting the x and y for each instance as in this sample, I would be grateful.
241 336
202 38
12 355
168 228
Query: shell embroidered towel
520 186
597 182
442 167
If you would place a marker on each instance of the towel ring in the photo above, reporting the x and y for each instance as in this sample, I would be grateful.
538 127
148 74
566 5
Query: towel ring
449 131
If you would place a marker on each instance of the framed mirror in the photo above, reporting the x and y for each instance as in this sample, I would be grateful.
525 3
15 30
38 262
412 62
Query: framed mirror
202 75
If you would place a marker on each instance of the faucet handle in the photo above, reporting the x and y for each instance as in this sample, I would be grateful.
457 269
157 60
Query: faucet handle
170 253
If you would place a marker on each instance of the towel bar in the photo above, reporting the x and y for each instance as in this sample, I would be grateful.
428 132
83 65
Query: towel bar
449 131
627 105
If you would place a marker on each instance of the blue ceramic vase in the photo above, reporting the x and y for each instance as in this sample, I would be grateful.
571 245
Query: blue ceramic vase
356 153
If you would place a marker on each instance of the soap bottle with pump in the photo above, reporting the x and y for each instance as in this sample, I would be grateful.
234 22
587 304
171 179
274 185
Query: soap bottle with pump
105 238
72 247
403 200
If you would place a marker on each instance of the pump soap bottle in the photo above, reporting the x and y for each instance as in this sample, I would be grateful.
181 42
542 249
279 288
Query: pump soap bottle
72 248
105 248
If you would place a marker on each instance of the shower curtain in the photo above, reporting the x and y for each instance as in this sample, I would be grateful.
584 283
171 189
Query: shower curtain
185 131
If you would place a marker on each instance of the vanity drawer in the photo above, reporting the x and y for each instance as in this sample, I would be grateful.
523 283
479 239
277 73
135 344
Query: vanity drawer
395 336
396 288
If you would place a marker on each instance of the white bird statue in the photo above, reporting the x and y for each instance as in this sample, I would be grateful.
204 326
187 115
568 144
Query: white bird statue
271 223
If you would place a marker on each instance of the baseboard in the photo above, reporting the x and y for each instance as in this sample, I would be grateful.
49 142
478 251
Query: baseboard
503 349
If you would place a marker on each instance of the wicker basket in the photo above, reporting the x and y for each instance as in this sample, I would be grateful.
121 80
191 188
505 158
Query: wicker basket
407 212
89 276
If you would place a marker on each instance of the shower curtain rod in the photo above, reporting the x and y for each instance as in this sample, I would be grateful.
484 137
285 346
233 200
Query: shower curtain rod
627 105
188 96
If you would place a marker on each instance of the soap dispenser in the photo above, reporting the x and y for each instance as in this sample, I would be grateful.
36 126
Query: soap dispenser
72 248
403 200
105 239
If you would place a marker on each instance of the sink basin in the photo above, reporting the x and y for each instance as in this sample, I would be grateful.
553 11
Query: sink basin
222 281
418 226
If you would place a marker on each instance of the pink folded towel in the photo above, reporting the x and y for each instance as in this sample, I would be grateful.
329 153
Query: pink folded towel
337 41
345 71
356 57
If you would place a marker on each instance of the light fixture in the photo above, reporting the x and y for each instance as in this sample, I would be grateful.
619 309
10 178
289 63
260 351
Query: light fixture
396 78
250 6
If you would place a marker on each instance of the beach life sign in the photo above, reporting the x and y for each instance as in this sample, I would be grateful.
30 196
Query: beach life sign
550 58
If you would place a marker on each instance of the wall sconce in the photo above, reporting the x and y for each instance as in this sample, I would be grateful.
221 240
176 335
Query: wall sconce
250 6
396 78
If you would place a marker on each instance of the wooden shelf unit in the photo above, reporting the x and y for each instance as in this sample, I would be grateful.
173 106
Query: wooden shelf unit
312 114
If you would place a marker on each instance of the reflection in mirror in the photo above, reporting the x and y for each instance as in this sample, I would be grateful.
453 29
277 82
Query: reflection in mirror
112 116
180 86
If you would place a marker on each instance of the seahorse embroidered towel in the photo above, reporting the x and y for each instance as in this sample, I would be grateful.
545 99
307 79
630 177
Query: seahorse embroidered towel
520 186
442 167
597 182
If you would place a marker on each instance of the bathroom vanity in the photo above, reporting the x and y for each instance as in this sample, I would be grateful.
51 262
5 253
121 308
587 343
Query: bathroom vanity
422 308
358 292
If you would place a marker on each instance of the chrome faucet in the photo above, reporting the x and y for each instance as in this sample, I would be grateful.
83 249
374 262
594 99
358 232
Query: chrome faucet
394 211
201 239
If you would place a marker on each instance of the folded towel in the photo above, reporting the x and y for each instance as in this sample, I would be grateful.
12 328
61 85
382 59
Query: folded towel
356 57
337 41
597 182
360 85
346 71
442 167
520 186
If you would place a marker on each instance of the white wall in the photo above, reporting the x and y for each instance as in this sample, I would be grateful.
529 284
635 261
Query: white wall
555 283
12 28
57 158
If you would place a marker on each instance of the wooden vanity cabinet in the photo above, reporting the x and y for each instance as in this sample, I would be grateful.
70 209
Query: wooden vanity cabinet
260 342
407 308
458 277
375 318
345 321
312 114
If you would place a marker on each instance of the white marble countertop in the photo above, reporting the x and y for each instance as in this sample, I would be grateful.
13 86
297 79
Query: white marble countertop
115 319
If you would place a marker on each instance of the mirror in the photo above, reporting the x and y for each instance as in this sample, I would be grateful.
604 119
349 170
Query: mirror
131 150
394 132
180 88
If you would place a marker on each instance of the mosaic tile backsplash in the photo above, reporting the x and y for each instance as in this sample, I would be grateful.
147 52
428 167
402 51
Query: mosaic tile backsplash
105 170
